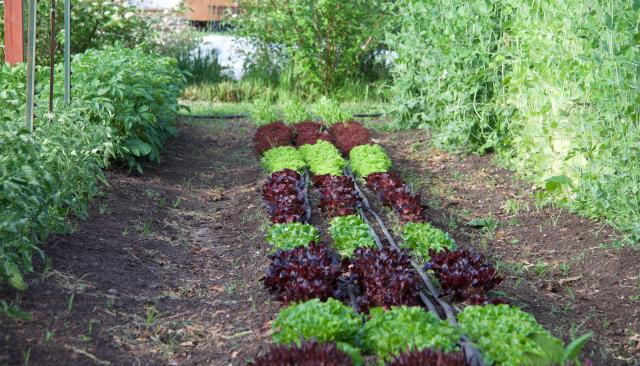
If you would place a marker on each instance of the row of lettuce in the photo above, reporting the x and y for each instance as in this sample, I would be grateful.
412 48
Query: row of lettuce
332 289
123 110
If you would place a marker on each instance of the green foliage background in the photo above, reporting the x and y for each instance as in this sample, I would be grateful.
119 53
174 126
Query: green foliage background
323 43
552 86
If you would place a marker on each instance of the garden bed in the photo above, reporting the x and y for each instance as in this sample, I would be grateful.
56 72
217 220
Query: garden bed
166 270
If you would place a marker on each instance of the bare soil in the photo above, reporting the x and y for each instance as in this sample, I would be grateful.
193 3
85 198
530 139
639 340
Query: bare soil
166 269
164 272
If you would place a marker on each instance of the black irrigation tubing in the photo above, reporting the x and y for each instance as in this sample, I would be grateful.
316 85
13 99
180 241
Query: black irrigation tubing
307 206
213 116
471 353
241 116
376 238
367 207
352 297
425 299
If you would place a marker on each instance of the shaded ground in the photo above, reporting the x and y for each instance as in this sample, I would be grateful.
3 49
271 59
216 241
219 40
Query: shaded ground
165 271
560 267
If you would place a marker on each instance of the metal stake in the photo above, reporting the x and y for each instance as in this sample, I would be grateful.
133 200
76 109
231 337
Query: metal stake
52 54
67 51
31 64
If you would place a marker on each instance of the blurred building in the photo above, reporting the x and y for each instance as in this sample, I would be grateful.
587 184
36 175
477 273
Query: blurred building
202 13
209 11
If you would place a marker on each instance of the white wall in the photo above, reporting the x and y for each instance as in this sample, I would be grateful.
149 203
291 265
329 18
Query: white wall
155 4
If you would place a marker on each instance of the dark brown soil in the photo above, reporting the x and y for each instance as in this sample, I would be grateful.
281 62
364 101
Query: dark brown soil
165 271
558 266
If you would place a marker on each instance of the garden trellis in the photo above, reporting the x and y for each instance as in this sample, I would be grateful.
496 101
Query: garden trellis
14 42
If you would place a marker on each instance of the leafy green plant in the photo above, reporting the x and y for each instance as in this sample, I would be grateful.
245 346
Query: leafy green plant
445 75
350 233
292 235
530 344
550 85
293 110
401 329
123 107
329 111
420 237
46 176
328 321
202 67
576 104
12 96
323 158
282 157
263 112
368 159
136 92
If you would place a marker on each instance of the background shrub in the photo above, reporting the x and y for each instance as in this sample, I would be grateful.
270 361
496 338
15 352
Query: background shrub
323 42
550 85
445 74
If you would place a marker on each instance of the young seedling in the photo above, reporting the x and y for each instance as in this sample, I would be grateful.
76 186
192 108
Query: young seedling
514 207
541 268
48 336
230 288
26 355
103 208
71 302
152 312
89 336
176 203
564 268
146 228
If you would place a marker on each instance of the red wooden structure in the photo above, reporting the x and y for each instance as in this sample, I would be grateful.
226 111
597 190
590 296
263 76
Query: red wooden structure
13 42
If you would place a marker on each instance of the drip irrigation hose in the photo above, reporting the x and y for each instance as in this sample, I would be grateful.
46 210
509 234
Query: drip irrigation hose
352 297
241 116
376 238
471 353
425 299
367 206
307 206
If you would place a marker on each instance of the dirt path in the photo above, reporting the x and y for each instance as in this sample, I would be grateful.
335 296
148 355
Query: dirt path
165 270
562 268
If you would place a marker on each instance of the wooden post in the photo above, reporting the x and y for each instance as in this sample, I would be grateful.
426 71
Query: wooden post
13 42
